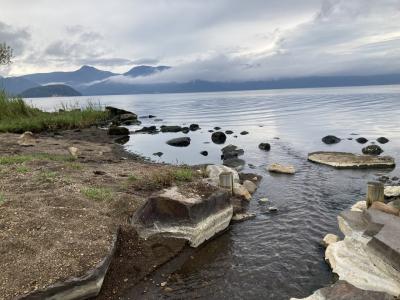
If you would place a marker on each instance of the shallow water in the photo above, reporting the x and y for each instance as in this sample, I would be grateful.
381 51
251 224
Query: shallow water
274 256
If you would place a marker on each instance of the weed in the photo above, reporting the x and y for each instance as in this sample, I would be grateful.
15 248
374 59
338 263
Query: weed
19 159
47 176
22 169
98 194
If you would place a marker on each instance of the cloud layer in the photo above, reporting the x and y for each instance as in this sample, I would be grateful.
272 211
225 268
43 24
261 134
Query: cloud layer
219 40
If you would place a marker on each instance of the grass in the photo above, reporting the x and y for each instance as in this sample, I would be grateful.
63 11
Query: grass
47 177
184 174
97 194
17 117
74 165
2 199
20 159
22 169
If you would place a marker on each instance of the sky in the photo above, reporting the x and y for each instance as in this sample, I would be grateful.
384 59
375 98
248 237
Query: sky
217 40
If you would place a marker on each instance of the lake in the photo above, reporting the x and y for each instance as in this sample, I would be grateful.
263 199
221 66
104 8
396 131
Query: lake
276 255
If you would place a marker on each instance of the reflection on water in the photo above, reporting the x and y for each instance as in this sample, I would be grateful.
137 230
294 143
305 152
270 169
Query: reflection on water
274 256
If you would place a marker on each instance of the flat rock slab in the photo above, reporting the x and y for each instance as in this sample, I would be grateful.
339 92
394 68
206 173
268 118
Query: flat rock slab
343 290
344 160
194 213
392 191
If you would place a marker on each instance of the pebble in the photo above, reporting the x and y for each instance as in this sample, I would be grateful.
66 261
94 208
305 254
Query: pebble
273 209
263 200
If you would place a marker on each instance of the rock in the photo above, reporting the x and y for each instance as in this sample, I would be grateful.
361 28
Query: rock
344 160
26 139
241 191
116 130
359 206
168 289
162 284
73 151
194 127
251 166
117 111
263 200
122 140
372 150
159 154
229 132
342 290
217 128
395 203
250 186
149 129
382 140
244 132
361 140
127 117
179 142
231 151
331 139
148 117
99 172
330 239
384 179
392 191
385 208
190 215
235 163
211 130
264 146
395 178
218 137
272 209
170 128
204 153
185 129
213 172
278 168
241 217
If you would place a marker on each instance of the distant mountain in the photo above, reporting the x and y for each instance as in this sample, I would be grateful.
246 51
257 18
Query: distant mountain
76 78
55 90
15 85
109 87
145 70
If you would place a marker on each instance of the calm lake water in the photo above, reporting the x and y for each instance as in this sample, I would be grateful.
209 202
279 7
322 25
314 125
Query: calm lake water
276 255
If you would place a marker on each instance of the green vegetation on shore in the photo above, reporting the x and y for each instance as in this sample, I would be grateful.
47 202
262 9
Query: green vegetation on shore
17 117
20 159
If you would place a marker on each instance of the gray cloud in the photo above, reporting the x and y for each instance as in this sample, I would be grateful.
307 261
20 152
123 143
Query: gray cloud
17 38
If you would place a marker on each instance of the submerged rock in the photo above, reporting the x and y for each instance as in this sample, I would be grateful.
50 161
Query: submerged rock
217 128
344 160
170 128
235 163
372 150
149 129
382 140
190 215
179 142
194 127
159 154
331 139
278 168
361 140
244 132
229 132
264 146
218 137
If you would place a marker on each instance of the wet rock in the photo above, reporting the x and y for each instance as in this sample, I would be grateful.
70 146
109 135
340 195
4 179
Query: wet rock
218 137
395 178
395 203
117 130
179 142
113 111
372 150
331 139
159 154
330 239
211 130
231 151
384 179
241 217
344 160
229 132
73 151
244 132
250 186
264 146
128 118
27 139
241 191
204 153
361 140
272 209
382 140
263 200
170 128
350 139
194 127
185 129
122 140
235 163
193 216
158 120
283 169
149 129
251 166
148 117
217 128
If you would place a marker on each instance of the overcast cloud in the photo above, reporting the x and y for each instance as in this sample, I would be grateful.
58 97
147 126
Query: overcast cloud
209 39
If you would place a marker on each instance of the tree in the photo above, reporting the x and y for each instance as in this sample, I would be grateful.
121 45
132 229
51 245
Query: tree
6 54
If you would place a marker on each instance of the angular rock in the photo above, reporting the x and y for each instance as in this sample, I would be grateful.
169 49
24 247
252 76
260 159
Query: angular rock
344 160
175 212
361 140
231 151
264 146
330 239
170 128
159 154
179 142
392 191
359 206
235 163
250 186
385 208
27 139
241 191
218 137
372 150
117 111
116 130
278 168
331 139
382 140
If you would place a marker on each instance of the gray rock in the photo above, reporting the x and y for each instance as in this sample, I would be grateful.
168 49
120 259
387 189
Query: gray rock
179 142
229 132
372 150
159 154
361 140
264 146
204 153
331 139
194 127
382 140
218 137
171 128
244 132
235 163
149 129
231 151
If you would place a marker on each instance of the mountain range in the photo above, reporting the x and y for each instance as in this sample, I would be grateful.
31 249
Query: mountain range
89 80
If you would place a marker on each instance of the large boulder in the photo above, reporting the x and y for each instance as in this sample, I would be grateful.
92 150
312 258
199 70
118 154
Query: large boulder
344 160
331 139
179 142
372 150
218 137
122 117
185 213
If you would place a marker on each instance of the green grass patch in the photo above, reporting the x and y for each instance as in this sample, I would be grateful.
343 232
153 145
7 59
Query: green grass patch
16 116
74 165
97 194
20 159
132 178
184 174
2 199
47 177
22 169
